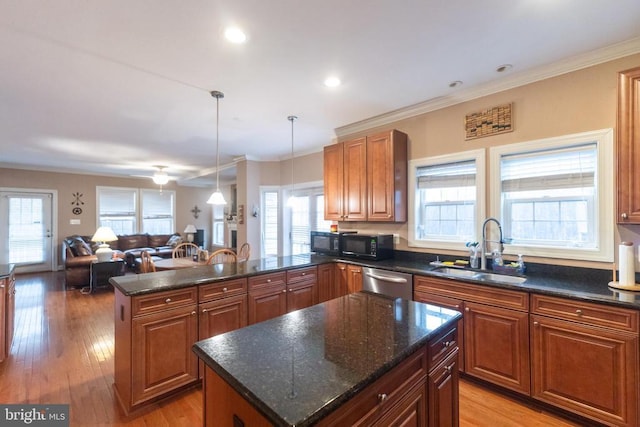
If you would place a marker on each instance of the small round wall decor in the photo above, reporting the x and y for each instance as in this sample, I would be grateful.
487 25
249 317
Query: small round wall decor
76 211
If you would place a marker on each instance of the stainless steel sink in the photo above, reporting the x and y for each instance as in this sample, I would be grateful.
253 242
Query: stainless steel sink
479 275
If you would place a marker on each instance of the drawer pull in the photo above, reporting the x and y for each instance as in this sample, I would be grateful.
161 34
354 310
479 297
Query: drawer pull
449 368
304 274
466 309
536 324
284 290
579 312
204 310
224 289
382 397
446 344
193 312
268 280
168 300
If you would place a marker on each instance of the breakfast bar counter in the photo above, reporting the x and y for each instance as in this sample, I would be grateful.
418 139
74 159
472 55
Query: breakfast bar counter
304 367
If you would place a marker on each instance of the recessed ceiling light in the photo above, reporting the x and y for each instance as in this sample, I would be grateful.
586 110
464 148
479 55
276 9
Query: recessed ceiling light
235 35
455 83
503 68
332 81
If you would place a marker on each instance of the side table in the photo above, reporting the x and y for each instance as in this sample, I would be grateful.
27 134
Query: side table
101 272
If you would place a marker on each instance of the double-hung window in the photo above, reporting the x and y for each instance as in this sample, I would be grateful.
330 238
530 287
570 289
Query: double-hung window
446 199
555 196
132 210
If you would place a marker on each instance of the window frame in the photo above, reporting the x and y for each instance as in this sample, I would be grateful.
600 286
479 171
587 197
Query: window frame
477 155
138 208
604 196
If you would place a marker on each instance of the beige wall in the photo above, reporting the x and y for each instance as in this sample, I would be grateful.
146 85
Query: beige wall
580 101
67 184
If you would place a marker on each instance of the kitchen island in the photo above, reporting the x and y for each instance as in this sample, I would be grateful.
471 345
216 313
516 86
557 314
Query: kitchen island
359 358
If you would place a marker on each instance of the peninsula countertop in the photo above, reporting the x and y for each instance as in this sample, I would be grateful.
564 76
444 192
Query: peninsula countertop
299 367
585 284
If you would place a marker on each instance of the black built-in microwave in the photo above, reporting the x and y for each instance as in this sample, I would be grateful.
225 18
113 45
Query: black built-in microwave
327 243
367 246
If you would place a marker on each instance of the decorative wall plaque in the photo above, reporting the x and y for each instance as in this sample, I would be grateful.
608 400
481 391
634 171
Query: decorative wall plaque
488 122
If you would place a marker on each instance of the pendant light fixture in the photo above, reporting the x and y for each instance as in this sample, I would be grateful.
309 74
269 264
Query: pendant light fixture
292 199
217 198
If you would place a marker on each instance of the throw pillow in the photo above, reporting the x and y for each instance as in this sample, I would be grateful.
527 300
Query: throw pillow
81 248
174 241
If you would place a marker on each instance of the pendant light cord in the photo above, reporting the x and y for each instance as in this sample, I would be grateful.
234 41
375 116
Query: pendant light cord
291 119
217 95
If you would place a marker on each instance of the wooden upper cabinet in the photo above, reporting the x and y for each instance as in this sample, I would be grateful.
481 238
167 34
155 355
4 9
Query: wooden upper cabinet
333 187
628 147
387 176
365 179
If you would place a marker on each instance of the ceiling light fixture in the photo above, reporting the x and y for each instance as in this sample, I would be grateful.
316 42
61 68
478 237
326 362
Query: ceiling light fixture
160 177
455 83
292 199
503 68
332 81
235 35
217 198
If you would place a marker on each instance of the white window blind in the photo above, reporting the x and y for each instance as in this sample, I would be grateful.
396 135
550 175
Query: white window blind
270 228
307 214
218 225
117 209
158 209
446 194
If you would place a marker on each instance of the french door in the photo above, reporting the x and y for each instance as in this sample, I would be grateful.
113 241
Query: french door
26 230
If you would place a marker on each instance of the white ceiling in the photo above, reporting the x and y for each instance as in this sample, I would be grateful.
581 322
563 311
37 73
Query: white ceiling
116 86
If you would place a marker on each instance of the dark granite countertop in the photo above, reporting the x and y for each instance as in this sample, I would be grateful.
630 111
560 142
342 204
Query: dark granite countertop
297 368
6 270
586 284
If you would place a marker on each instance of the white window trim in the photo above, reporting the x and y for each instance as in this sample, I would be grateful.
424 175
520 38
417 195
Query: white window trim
479 157
604 140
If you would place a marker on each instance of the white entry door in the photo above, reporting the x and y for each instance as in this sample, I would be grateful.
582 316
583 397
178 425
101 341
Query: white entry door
26 233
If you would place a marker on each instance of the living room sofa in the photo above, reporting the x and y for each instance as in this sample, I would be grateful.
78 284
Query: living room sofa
79 252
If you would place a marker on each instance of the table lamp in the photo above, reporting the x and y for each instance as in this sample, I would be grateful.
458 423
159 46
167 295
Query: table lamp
190 231
104 235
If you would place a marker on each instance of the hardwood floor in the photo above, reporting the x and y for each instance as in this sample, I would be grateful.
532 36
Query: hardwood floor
63 353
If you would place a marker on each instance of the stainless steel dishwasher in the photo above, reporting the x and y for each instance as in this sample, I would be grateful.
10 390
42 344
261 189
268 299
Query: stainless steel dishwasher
390 283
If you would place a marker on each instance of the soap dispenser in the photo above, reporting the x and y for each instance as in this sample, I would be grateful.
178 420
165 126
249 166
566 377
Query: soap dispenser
520 267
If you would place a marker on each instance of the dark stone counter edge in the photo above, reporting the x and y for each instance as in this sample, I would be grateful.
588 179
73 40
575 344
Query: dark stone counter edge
585 284
334 404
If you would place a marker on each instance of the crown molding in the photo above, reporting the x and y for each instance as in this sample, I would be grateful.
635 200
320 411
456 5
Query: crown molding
574 63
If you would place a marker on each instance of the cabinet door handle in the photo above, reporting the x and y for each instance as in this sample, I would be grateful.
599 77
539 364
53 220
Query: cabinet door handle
624 215
193 313
204 310
466 309
168 300
382 397
224 289
579 312
536 324
284 290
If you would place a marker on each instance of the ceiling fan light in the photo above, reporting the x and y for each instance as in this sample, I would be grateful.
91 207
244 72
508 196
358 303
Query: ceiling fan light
217 198
160 178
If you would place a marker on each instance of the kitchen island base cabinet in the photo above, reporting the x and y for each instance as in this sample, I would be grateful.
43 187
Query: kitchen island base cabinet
154 334
443 393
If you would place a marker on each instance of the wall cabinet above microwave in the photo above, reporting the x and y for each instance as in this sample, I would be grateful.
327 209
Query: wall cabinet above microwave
365 179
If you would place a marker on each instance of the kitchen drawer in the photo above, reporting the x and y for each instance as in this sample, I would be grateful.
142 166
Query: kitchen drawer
515 300
267 280
441 348
217 290
302 274
585 312
159 301
382 395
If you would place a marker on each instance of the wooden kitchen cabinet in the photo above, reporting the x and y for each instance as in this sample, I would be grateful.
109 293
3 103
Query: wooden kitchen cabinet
443 388
628 147
387 176
365 179
222 307
154 334
7 314
585 359
495 338
354 278
326 282
342 279
302 288
267 296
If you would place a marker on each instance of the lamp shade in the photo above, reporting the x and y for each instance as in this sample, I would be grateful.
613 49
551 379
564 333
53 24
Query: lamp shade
190 229
160 177
217 198
104 234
